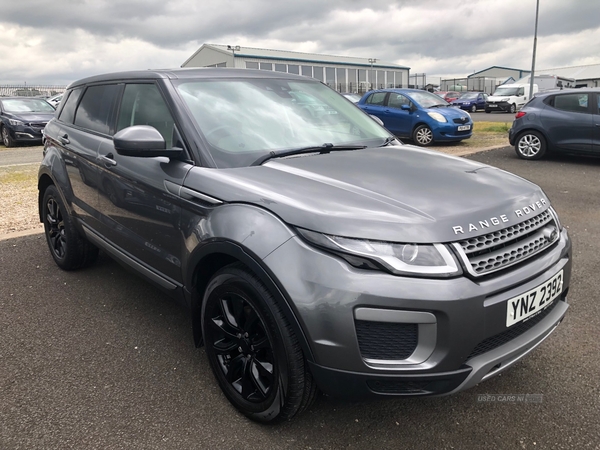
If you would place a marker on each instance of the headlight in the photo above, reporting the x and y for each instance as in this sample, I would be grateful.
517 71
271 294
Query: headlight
437 116
15 123
507 99
425 260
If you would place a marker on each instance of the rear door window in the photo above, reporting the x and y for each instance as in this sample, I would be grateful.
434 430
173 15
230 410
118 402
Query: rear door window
377 98
96 108
572 102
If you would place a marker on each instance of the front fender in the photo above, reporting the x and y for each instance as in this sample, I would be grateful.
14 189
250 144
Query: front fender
232 233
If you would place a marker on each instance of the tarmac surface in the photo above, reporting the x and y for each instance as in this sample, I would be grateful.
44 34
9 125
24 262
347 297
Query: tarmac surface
99 359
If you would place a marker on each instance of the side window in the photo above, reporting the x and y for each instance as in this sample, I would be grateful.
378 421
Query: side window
68 111
95 108
397 100
521 91
377 98
142 104
572 102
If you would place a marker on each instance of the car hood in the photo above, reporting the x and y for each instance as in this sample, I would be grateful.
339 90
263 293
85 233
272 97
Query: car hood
31 117
394 193
449 112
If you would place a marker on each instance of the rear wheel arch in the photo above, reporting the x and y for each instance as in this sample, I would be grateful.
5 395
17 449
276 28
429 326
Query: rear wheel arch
210 259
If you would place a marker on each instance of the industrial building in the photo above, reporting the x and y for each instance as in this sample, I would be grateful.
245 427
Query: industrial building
342 73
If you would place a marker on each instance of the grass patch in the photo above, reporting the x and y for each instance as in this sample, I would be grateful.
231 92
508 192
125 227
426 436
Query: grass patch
491 127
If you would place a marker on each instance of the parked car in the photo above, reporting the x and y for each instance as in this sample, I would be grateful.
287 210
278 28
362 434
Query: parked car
509 97
353 97
23 119
449 96
55 100
418 115
561 121
313 252
471 101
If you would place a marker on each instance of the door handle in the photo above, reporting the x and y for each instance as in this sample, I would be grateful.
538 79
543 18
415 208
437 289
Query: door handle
64 139
108 160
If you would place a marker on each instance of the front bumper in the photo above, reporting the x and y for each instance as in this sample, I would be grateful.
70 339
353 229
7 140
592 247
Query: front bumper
498 106
26 133
462 337
446 132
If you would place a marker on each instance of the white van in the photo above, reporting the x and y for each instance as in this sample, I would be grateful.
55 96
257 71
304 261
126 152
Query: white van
509 97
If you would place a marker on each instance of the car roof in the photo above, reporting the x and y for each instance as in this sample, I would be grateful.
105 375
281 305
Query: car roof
187 73
593 90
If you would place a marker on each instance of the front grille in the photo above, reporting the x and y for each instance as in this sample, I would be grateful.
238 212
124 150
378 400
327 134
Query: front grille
461 120
386 341
500 249
38 125
506 336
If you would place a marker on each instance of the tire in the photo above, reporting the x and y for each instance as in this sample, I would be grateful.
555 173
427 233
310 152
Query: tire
530 145
68 248
473 108
252 349
7 139
513 108
423 136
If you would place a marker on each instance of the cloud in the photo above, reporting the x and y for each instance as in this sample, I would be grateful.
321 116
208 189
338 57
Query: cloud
63 40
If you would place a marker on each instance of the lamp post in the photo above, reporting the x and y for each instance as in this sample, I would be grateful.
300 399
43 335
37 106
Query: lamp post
372 61
537 10
233 48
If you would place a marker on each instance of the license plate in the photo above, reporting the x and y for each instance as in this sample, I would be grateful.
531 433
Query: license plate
531 302
492 106
464 127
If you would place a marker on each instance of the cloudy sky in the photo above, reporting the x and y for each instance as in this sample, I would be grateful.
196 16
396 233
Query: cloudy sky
59 41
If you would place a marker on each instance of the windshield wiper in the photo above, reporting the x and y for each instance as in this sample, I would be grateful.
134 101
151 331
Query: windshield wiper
320 149
388 141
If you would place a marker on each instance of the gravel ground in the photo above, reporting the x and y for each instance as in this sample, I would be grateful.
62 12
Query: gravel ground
19 193
19 196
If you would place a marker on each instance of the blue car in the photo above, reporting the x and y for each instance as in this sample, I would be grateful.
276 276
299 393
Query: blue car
418 115
471 101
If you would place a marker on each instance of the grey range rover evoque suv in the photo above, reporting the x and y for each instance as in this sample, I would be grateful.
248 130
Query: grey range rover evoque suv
313 250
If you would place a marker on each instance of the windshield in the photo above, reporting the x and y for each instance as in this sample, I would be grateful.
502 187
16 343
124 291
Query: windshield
469 96
506 91
246 119
427 99
26 105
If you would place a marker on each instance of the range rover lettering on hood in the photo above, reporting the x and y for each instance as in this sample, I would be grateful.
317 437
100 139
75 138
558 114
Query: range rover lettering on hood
492 221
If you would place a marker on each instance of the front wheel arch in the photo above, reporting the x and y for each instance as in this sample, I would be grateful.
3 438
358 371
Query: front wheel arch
210 258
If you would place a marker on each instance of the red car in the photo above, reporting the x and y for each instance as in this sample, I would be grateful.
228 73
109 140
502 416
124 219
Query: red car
448 95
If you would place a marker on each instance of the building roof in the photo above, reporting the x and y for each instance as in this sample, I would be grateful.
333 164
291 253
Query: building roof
497 67
589 72
264 53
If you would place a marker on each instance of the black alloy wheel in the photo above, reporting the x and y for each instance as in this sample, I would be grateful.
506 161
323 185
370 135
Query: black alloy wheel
68 248
56 229
252 350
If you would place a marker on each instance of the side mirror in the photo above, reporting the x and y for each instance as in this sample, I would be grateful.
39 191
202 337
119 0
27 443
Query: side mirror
405 107
142 141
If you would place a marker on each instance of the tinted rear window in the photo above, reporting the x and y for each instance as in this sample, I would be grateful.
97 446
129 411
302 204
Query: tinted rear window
68 111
